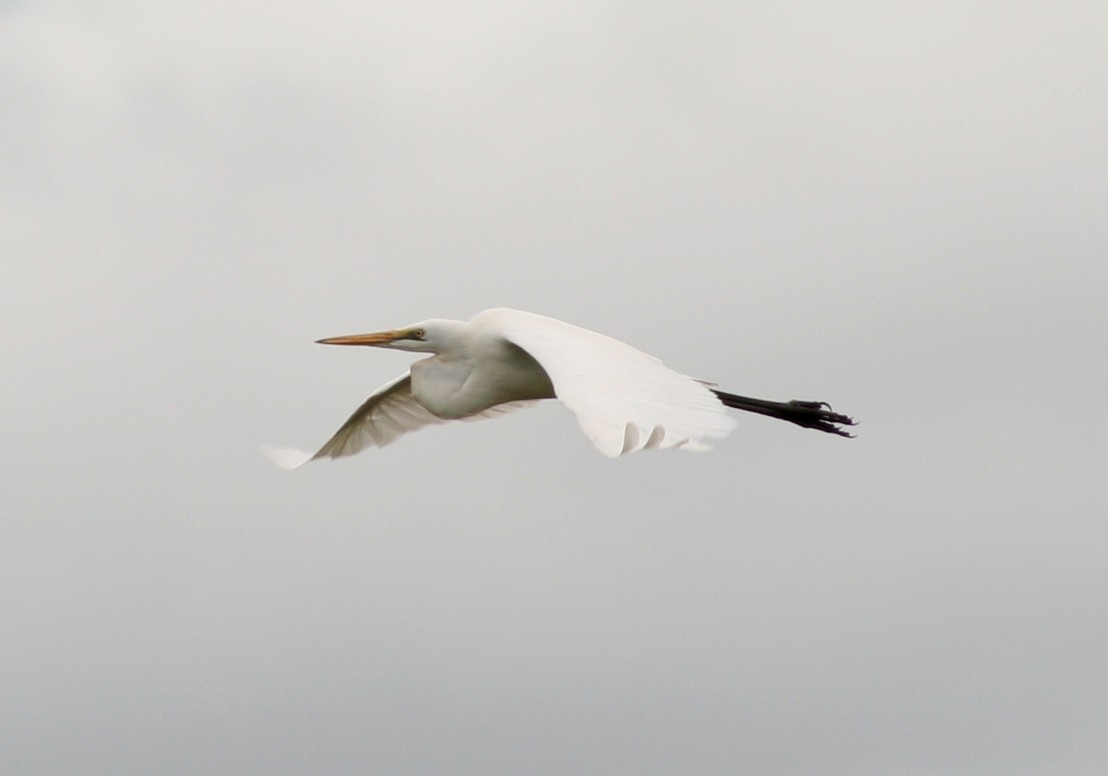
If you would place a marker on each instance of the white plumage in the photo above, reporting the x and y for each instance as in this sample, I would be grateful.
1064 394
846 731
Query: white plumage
624 399
501 360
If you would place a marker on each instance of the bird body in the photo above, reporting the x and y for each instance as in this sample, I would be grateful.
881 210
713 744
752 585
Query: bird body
475 368
501 360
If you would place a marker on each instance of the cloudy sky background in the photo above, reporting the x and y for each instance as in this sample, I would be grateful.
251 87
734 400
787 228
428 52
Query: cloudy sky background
899 208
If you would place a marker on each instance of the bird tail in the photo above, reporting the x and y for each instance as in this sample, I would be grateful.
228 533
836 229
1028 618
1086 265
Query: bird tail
809 414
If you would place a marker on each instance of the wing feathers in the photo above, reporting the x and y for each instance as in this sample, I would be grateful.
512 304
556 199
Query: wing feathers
388 414
625 400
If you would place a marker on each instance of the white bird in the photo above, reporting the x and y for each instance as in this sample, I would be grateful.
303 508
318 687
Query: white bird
502 360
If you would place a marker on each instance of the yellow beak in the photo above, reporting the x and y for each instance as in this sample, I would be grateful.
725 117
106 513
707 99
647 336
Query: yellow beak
375 338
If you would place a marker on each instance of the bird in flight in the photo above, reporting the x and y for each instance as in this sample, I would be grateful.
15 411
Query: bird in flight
502 360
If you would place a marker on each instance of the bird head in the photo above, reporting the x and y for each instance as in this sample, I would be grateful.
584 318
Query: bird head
426 337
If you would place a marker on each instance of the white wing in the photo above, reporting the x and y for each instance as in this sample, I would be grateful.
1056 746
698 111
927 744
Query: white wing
625 400
388 414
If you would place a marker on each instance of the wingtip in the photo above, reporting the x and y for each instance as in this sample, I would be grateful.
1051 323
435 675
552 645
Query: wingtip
288 458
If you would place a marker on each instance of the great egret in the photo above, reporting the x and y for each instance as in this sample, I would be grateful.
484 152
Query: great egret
502 360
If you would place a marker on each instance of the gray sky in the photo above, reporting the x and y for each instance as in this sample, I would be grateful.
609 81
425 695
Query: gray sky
898 208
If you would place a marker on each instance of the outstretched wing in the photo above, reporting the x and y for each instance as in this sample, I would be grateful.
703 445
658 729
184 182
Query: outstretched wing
625 400
388 414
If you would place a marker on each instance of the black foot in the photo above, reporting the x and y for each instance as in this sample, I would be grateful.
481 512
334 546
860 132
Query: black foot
809 414
818 415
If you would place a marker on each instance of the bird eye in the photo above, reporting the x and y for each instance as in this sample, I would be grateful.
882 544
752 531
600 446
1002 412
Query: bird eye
416 334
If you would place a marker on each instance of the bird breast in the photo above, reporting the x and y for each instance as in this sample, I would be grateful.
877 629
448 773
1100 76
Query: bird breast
457 386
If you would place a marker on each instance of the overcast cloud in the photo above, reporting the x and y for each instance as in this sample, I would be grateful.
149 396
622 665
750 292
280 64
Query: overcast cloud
899 208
